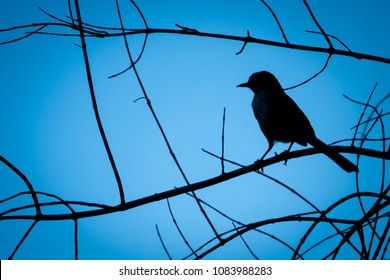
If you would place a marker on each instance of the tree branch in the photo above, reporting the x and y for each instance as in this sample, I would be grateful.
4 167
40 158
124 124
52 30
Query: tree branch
202 184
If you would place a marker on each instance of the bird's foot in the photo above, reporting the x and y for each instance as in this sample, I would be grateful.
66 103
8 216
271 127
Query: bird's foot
284 154
261 169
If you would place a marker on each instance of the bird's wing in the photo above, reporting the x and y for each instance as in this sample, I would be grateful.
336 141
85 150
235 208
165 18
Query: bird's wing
292 123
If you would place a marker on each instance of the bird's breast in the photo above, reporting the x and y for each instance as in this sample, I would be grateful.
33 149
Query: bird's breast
262 104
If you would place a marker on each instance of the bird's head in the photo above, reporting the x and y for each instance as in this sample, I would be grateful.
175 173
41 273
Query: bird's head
261 81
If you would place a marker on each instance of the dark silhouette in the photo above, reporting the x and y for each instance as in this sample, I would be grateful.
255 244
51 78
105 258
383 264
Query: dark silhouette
281 119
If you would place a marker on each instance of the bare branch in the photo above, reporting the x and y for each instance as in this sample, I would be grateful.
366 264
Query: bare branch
178 228
23 239
143 44
318 25
27 182
148 102
331 36
223 141
24 37
193 32
246 244
95 106
244 45
312 77
277 21
202 184
162 243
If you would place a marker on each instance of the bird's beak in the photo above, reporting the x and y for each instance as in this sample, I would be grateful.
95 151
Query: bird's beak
243 85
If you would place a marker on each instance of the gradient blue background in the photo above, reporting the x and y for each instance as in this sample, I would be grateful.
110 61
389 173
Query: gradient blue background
49 132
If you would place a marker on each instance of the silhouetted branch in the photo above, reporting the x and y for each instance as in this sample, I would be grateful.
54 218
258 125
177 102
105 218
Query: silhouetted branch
178 228
23 37
320 242
368 121
381 241
363 253
71 12
363 111
95 106
61 202
355 225
27 182
331 36
187 29
286 187
318 25
302 217
193 32
46 204
148 102
202 184
277 21
373 211
240 223
223 141
314 76
23 239
162 243
143 44
244 45
246 244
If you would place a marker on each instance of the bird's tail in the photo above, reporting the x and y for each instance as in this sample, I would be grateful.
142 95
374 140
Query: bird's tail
336 157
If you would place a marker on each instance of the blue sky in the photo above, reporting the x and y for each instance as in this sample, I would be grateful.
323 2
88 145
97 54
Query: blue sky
50 134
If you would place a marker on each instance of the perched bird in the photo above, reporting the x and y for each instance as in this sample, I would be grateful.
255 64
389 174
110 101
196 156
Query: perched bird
281 119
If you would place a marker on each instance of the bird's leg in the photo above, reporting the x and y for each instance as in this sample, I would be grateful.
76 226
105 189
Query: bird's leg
266 152
287 151
270 145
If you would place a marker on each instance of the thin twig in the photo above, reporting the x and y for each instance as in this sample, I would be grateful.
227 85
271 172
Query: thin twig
187 29
364 110
95 106
355 225
314 76
27 182
199 185
385 235
290 218
370 119
333 236
246 244
319 26
96 32
23 239
242 224
363 253
24 37
143 44
277 21
246 39
148 102
223 142
286 187
178 228
245 43
162 243
269 177
331 36
71 12
374 210
386 246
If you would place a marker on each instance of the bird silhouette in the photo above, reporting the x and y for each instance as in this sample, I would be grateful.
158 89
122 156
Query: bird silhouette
281 119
